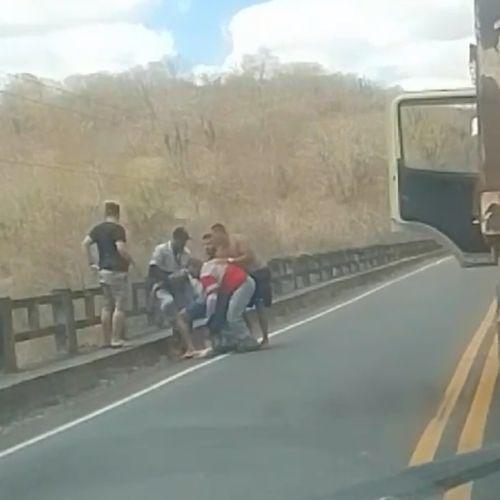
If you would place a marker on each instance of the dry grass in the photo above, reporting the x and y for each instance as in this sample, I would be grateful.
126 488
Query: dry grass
297 162
440 137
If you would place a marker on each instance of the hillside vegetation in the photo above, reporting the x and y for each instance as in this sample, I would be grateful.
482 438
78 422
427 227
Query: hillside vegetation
295 160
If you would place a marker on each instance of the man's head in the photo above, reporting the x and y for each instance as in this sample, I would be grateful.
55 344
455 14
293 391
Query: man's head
194 267
208 245
219 234
179 238
112 210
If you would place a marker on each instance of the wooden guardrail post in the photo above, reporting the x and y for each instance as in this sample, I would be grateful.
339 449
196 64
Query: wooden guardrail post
327 267
135 297
277 271
7 341
302 269
34 316
89 299
64 315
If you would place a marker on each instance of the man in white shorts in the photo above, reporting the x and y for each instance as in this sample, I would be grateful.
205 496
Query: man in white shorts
114 261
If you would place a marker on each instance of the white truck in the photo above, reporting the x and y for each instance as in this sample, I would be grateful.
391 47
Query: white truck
445 154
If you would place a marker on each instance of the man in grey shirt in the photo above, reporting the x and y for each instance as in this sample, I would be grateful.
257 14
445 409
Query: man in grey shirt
168 272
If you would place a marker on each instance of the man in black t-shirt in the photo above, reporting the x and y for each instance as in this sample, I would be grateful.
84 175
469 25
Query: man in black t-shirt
114 261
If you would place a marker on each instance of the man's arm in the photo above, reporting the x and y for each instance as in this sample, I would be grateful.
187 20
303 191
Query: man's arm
182 275
120 238
158 260
157 274
121 246
245 253
86 244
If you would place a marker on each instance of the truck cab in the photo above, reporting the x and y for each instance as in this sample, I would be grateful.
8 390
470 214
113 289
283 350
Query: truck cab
444 168
435 171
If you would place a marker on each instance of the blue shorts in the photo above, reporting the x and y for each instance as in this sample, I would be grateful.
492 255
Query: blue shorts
196 310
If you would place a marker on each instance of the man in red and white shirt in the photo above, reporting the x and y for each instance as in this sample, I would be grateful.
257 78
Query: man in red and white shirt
217 276
228 290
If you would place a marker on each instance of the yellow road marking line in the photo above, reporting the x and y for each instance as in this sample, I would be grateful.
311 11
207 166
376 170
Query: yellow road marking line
431 437
473 432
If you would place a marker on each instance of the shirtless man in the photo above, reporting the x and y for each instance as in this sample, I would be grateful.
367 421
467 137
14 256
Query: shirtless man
236 250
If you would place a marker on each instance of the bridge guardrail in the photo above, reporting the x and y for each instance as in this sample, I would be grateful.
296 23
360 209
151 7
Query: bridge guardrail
288 274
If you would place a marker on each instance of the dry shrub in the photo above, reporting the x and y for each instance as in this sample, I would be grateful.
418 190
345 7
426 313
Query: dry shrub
440 138
295 160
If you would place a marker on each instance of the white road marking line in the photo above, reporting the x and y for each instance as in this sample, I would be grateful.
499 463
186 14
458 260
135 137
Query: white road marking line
192 369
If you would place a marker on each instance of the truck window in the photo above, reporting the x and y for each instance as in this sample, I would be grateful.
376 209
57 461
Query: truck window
439 137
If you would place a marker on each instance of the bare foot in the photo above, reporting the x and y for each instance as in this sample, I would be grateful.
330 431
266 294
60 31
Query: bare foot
203 353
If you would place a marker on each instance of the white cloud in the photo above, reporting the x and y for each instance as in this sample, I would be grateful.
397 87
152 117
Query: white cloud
394 41
55 38
84 49
49 13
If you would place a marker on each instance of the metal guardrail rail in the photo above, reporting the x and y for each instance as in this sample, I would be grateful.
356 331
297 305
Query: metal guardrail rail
288 274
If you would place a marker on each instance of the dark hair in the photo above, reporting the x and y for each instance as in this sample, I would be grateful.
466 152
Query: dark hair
111 209
206 237
194 262
181 234
219 228
194 267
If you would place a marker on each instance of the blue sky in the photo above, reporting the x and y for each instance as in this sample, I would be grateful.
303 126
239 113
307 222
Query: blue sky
413 43
198 27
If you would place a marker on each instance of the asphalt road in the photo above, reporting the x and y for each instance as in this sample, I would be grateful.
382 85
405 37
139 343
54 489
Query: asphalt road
337 400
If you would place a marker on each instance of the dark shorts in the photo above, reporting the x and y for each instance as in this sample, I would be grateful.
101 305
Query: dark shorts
263 287
196 310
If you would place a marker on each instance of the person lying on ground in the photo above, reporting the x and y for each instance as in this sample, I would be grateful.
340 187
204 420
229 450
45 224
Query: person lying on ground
236 250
